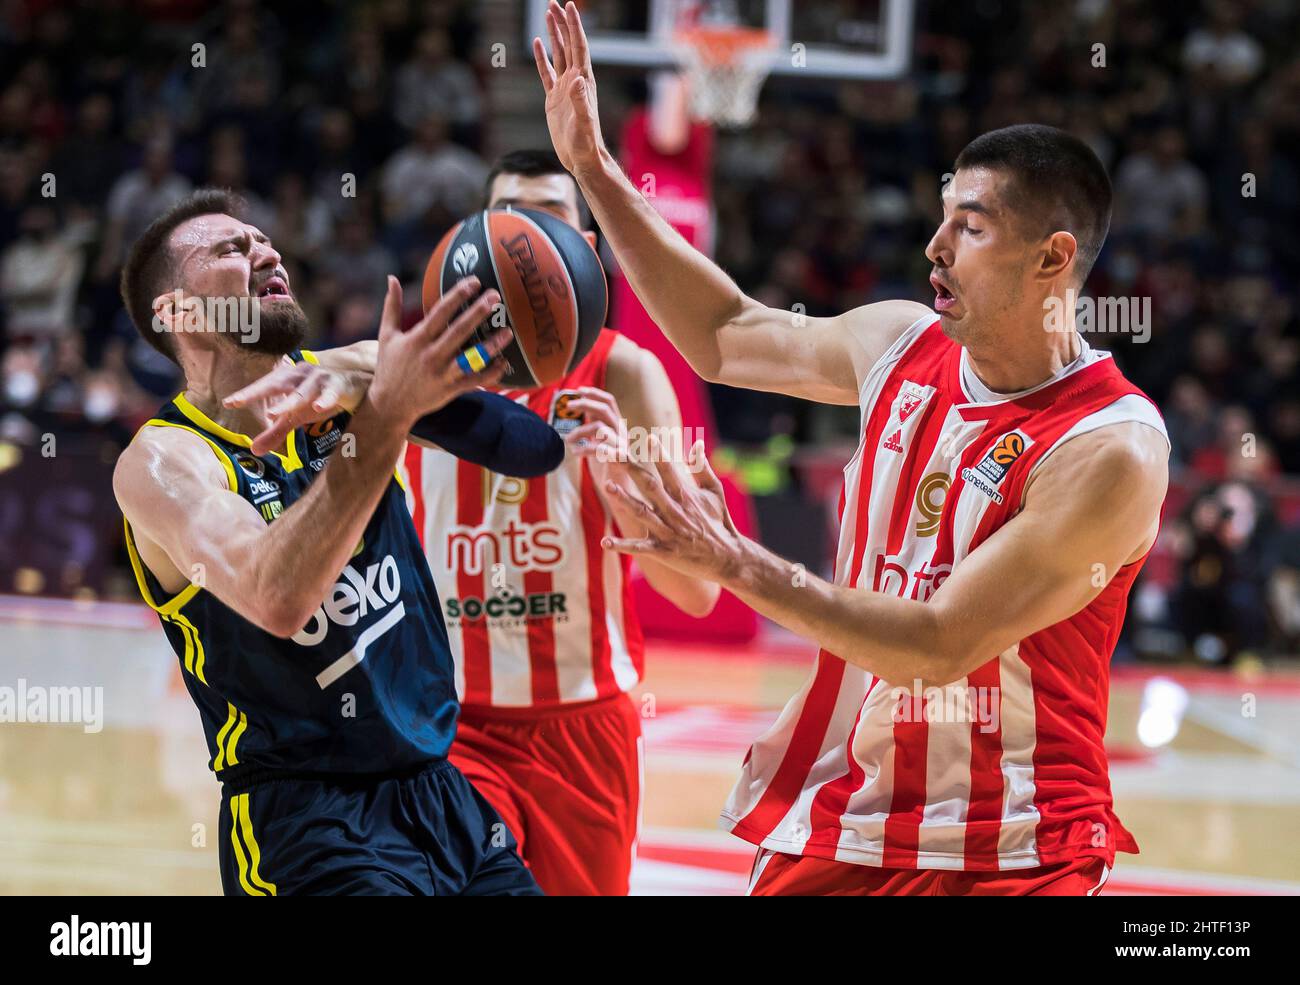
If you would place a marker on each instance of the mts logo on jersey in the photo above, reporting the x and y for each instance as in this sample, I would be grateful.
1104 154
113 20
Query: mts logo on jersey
891 578
356 595
909 400
992 468
523 546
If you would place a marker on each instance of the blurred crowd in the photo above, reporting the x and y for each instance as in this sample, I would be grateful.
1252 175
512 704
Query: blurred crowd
358 144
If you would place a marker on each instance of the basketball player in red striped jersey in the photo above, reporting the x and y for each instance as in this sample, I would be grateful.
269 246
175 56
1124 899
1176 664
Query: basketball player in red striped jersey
1005 492
540 617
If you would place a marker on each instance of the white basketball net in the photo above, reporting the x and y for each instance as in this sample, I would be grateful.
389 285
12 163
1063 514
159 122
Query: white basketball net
726 67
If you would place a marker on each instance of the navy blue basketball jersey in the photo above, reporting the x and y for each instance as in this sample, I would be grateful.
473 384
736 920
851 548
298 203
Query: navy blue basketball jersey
366 686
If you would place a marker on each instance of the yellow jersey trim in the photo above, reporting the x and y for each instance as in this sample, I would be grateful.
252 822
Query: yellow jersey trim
289 458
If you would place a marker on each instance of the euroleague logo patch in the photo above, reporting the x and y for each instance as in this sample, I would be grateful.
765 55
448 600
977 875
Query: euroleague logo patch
993 467
465 258
563 418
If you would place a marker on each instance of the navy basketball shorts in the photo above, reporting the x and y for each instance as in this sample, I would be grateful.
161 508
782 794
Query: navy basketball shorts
425 833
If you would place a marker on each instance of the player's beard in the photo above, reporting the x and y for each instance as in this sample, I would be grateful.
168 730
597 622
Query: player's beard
281 328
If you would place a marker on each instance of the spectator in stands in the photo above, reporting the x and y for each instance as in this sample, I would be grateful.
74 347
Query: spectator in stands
432 82
39 275
432 173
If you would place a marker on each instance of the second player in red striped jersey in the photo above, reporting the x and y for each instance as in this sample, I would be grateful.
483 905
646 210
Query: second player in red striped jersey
540 617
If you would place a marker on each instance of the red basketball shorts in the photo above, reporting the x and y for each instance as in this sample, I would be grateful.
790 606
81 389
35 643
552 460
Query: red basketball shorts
567 783
776 874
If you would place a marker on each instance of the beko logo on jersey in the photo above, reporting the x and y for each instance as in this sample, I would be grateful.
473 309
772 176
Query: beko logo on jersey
993 467
353 598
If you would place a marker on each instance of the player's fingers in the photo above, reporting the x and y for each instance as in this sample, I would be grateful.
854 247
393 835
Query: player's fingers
300 397
391 319
276 383
629 545
600 396
444 309
703 471
489 376
579 55
454 337
544 69
327 400
593 410
554 20
590 434
667 469
274 434
645 512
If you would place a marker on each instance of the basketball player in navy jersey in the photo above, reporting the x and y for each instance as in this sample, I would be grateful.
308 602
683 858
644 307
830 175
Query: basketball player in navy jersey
291 583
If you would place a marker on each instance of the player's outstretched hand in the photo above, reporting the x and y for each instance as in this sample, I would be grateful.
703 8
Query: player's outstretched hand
687 525
417 370
570 88
295 394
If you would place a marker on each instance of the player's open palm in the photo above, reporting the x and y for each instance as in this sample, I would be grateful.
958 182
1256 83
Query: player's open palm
418 371
571 113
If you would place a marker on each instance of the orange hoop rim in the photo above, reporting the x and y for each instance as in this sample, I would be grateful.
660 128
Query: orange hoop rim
717 46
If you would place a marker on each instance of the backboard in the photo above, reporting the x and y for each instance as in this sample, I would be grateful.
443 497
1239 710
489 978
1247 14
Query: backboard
846 39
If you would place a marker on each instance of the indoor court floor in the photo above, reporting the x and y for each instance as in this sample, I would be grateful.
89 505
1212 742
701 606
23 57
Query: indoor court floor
1212 795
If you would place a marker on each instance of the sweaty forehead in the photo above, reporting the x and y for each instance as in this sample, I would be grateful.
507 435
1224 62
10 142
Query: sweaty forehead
979 187
204 231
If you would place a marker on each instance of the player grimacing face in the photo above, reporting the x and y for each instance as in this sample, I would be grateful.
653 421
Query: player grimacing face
983 260
220 257
553 193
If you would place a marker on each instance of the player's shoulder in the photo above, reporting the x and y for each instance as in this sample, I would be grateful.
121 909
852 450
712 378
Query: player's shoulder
159 454
628 361
876 327
1117 459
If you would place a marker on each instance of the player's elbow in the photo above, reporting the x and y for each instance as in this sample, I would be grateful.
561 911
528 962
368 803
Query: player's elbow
943 649
283 615
700 601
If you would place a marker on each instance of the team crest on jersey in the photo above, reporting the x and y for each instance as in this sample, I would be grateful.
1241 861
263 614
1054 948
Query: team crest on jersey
562 418
993 467
254 468
909 400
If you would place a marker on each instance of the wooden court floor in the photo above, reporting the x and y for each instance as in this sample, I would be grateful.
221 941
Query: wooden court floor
130 808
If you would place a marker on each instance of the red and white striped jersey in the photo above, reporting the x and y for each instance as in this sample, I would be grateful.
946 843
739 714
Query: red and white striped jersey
538 613
1004 769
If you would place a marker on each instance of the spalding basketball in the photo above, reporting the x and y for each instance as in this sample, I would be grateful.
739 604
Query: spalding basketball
551 283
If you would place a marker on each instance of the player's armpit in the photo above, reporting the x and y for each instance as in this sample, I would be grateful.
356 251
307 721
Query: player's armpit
1093 507
821 359
190 527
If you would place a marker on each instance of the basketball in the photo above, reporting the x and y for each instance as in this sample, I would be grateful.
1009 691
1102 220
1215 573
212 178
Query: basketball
551 283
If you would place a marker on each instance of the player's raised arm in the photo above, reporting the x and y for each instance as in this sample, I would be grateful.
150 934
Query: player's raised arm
725 335
191 526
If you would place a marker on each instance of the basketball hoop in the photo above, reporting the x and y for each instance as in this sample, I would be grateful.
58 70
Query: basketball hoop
725 66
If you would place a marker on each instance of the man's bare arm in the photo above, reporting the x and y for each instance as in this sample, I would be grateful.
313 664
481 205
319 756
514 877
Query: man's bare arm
174 492
1093 507
726 336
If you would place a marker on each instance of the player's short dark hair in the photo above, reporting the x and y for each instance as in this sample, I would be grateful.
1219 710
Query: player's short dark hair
534 163
1056 182
150 267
